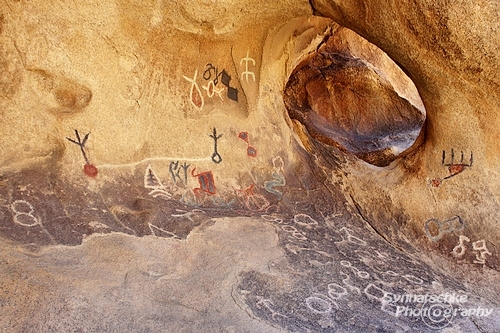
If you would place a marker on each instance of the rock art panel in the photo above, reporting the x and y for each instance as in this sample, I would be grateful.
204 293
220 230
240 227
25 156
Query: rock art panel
223 148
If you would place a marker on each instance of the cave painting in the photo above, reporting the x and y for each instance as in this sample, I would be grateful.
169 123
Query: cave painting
360 274
25 216
212 90
89 169
23 213
153 182
436 229
247 72
213 75
216 158
454 168
278 177
159 232
294 232
195 95
206 182
175 169
269 305
252 201
251 151
356 141
477 246
304 219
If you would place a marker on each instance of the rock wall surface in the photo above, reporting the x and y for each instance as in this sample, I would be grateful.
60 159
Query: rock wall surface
249 166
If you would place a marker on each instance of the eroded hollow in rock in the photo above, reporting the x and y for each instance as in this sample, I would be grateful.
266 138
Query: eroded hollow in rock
351 95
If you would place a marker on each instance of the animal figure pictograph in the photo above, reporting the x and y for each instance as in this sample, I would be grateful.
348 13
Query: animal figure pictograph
454 168
89 169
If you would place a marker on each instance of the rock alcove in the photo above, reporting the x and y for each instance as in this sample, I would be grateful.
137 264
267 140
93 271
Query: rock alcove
154 179
350 94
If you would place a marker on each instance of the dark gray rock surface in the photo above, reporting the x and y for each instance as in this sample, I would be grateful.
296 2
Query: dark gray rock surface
311 263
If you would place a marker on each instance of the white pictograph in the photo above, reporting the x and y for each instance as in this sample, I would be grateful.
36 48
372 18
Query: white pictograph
247 73
188 215
350 238
320 305
329 219
272 218
413 279
296 249
360 274
480 246
336 291
477 246
212 90
195 96
23 214
294 232
390 273
459 250
304 220
346 282
153 182
159 232
268 304
373 292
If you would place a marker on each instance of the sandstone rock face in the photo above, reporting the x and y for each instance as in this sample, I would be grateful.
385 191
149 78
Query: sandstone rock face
249 166
344 96
455 69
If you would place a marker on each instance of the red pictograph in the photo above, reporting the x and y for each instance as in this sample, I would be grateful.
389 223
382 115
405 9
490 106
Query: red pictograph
253 202
206 181
89 169
251 151
454 168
